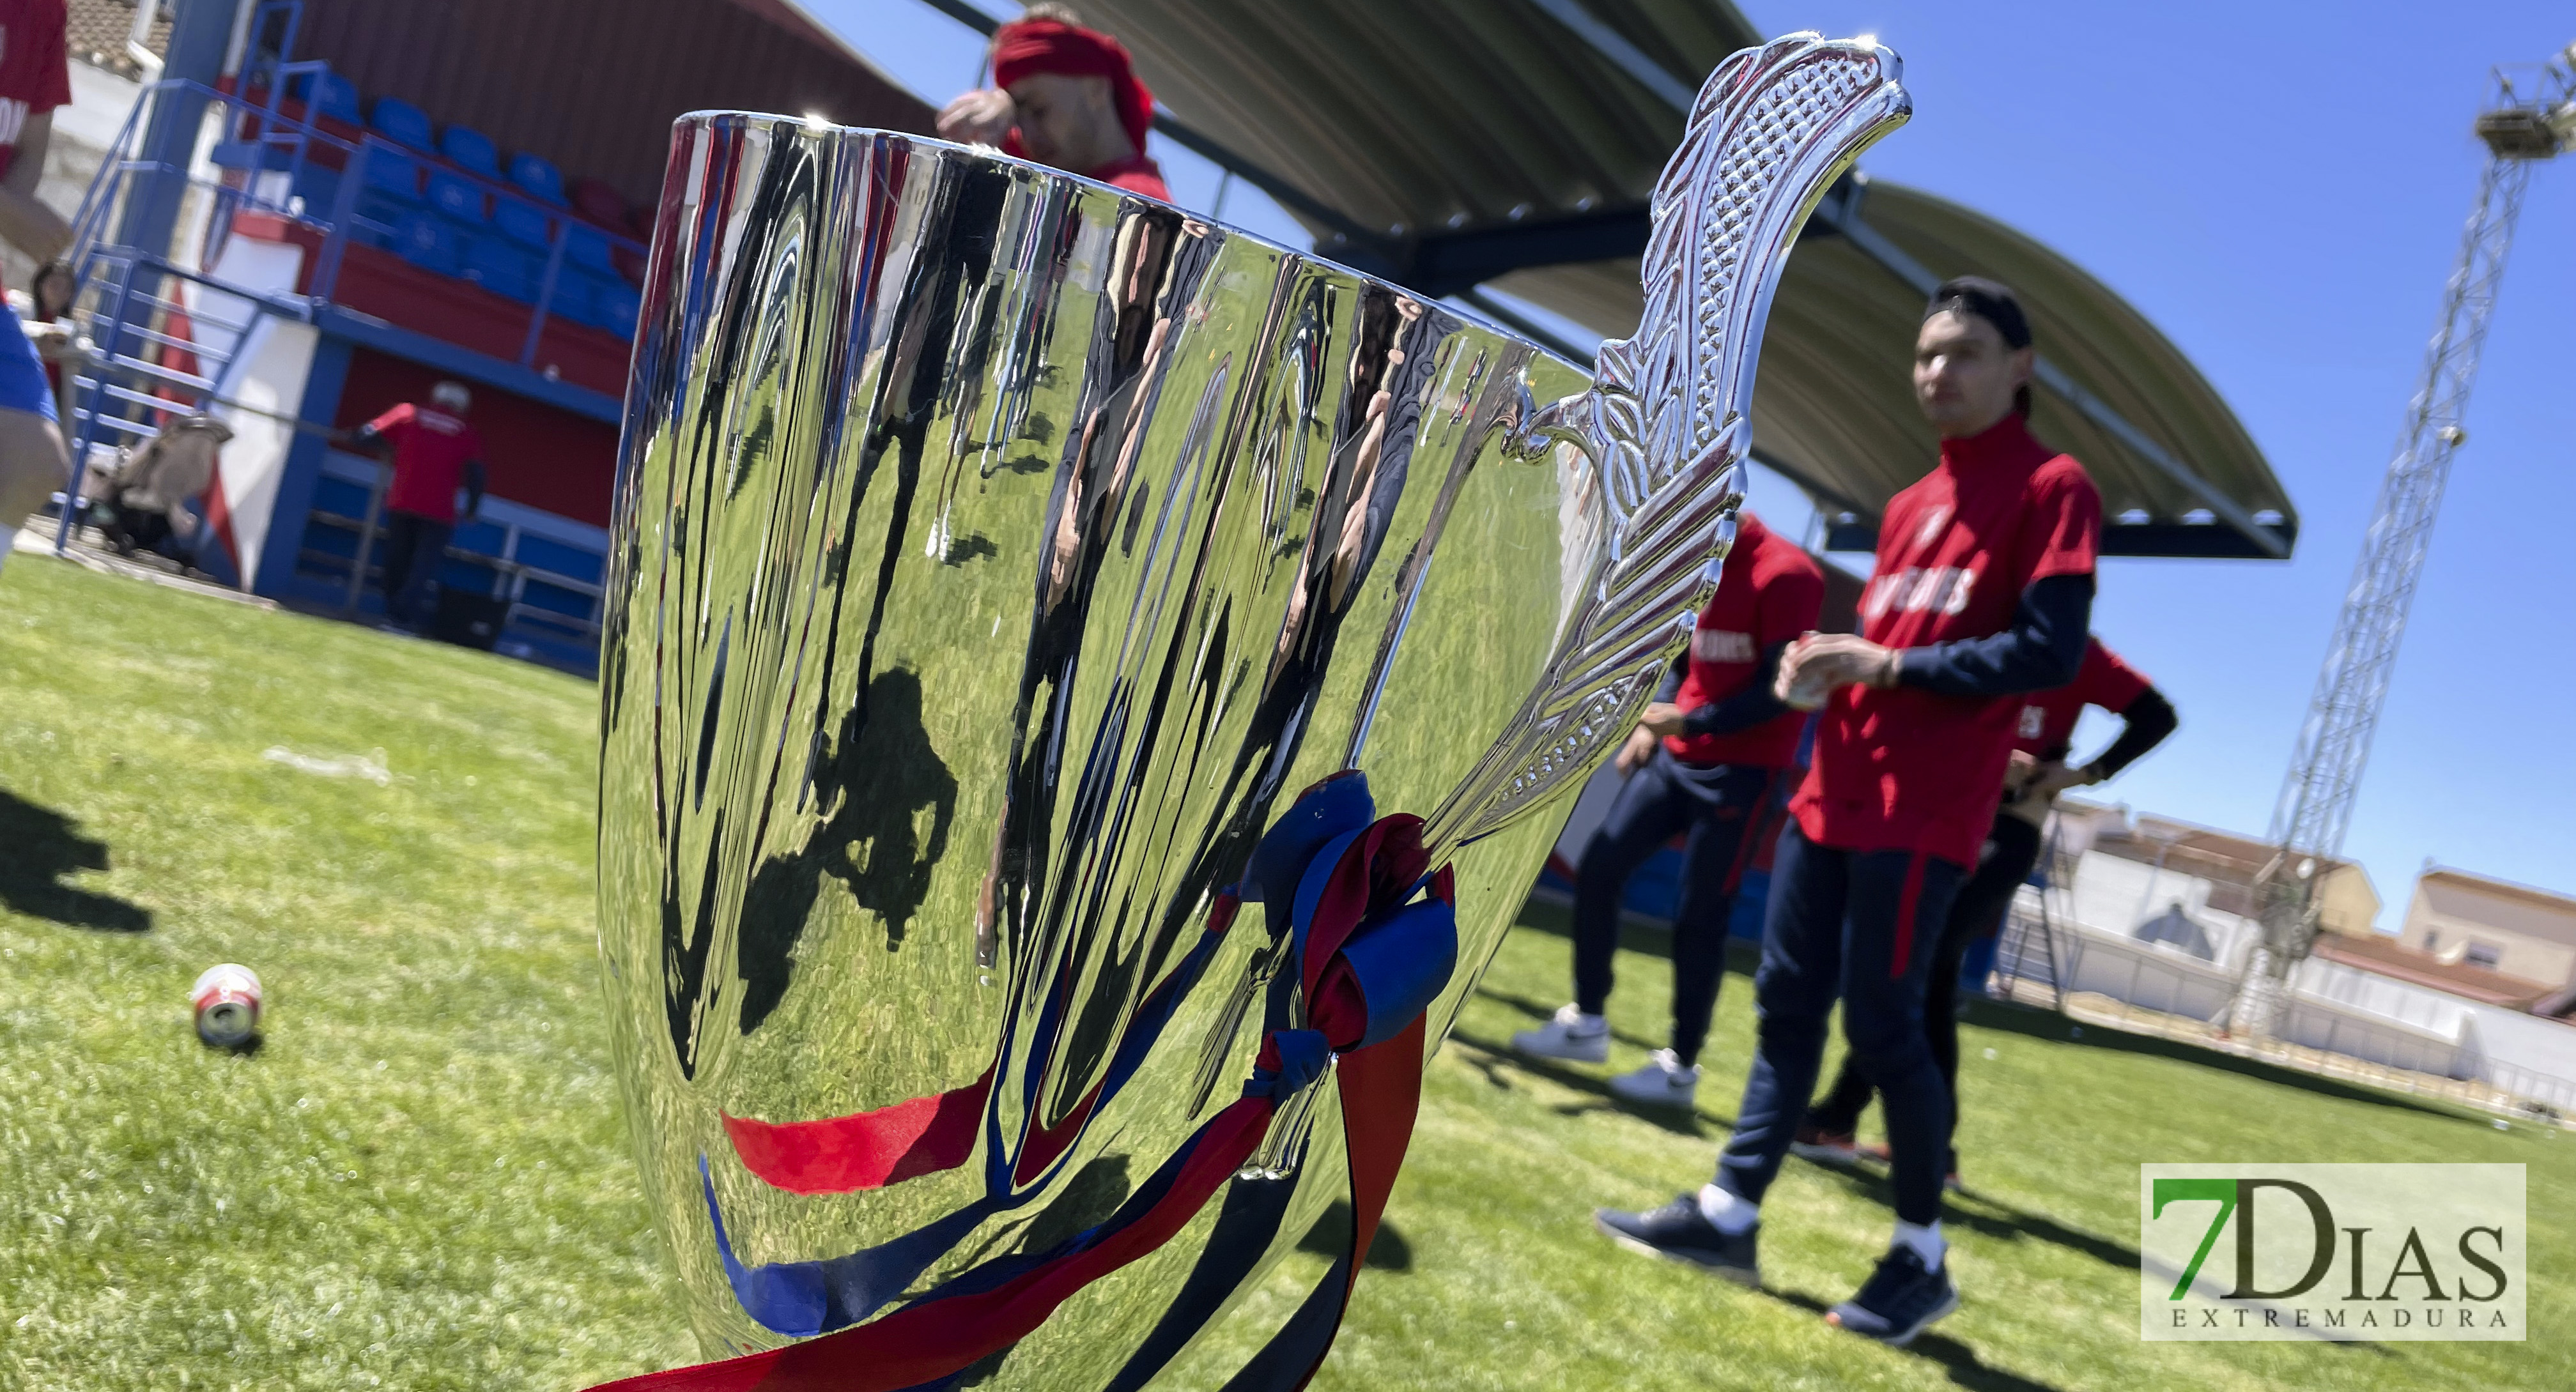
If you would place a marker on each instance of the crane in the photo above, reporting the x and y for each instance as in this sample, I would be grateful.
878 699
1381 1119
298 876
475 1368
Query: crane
2528 120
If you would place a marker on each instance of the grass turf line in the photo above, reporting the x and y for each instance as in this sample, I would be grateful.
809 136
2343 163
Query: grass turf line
421 1179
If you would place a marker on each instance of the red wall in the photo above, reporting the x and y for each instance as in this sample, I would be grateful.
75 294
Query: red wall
537 455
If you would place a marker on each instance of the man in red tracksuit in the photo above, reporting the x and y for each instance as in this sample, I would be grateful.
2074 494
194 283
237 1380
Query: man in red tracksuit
434 452
1982 591
1707 759
2044 736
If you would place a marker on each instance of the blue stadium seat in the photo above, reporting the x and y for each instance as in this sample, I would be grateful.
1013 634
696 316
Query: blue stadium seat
319 188
521 223
396 119
542 180
389 173
472 149
429 242
585 245
572 298
456 196
326 94
618 306
499 266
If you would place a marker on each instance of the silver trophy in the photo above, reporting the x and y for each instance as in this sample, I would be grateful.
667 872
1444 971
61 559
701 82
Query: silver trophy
997 557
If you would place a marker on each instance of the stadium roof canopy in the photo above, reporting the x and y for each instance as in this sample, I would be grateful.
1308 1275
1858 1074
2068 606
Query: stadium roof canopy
1454 144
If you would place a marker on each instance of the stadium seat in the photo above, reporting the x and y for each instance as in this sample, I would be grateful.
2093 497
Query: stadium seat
472 149
587 246
396 119
428 242
498 265
542 180
618 306
389 173
457 197
319 188
523 223
599 203
573 299
326 93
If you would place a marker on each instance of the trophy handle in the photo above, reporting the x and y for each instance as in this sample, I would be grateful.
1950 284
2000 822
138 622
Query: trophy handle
1665 424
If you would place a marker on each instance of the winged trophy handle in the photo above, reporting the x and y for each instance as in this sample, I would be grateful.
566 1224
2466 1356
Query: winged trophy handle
1666 423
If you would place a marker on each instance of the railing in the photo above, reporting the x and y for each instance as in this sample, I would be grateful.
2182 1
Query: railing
268 154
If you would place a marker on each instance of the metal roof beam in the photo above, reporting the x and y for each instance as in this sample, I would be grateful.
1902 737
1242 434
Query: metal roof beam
2269 542
1843 214
1282 192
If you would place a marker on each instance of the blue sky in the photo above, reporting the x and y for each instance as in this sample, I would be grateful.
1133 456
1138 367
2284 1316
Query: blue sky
2281 189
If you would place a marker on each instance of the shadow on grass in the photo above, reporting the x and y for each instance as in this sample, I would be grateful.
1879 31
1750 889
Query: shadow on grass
39 848
1992 1217
2057 1029
1491 1057
1966 1369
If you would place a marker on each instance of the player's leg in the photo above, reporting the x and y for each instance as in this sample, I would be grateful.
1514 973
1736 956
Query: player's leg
33 461
1900 901
393 561
2004 863
1735 801
1719 1227
420 588
1649 809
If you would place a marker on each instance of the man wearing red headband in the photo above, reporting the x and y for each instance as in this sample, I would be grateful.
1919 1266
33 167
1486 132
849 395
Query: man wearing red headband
1067 96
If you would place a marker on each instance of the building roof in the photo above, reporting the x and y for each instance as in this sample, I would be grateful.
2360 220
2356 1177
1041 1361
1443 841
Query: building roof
1444 142
2381 953
2529 895
96 31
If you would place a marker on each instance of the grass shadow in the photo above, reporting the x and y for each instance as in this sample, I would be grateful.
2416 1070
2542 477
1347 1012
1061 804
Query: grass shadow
1961 1362
2058 1029
39 849
1991 1217
1490 1057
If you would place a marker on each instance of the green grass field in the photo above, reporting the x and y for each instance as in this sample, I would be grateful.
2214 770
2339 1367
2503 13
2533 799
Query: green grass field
421 1179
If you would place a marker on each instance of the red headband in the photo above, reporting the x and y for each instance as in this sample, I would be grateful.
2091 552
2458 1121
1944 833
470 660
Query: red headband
1028 46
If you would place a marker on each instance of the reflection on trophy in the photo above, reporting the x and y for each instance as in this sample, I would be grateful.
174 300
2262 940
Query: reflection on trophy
1083 693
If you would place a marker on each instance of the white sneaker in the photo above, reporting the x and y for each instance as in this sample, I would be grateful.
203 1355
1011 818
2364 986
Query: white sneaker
1572 1036
1663 1082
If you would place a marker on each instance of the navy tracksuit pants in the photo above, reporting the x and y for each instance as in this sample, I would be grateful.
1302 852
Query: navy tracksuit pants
1861 926
1723 809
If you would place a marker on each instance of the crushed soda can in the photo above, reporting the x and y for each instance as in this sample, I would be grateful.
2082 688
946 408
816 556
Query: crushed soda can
227 1003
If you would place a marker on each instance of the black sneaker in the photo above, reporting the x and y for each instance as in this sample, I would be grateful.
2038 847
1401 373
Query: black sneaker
1679 1232
1898 1301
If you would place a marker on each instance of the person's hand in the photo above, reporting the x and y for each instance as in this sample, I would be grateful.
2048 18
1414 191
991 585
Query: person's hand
1820 664
2049 779
1639 748
979 118
2019 771
1661 719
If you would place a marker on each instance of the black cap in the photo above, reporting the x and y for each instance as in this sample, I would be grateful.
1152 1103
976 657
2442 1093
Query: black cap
1992 301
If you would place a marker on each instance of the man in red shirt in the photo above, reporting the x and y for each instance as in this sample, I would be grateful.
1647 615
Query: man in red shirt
2044 734
1982 591
1707 759
434 451
35 78
1065 96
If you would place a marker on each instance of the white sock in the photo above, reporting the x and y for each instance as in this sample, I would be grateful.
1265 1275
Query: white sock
1730 1214
1925 1239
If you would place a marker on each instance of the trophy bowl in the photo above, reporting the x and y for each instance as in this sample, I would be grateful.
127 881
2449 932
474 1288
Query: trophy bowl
999 558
